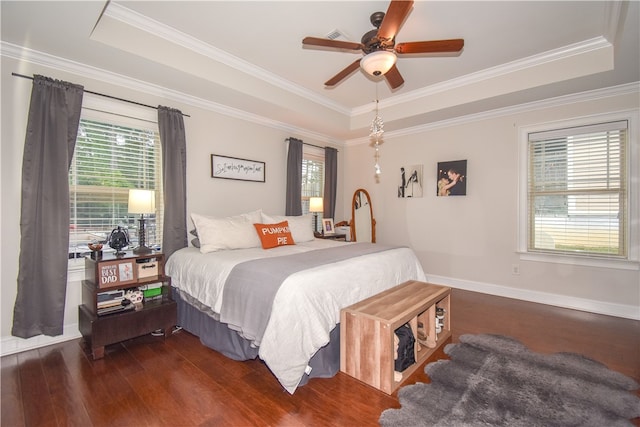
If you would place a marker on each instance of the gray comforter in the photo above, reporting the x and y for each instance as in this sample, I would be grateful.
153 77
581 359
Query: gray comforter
252 285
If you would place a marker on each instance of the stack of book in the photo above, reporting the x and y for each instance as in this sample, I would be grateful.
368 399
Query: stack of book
112 302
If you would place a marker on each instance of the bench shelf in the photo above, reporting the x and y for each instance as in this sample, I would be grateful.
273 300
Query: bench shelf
367 331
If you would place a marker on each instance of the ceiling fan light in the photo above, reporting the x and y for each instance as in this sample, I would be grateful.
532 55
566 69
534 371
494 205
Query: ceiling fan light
378 63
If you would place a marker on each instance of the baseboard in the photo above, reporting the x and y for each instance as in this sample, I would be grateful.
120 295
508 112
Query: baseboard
12 345
582 304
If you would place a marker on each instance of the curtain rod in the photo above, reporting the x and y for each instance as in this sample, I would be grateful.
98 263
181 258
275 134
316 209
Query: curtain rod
306 143
104 95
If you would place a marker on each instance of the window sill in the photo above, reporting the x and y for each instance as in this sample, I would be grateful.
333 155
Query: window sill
618 264
75 265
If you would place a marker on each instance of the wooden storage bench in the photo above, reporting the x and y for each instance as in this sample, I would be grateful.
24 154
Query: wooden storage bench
367 331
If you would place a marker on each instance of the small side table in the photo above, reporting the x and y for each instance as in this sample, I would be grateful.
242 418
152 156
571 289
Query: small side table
118 273
340 237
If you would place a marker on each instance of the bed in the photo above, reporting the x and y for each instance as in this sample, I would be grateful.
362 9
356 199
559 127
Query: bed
296 332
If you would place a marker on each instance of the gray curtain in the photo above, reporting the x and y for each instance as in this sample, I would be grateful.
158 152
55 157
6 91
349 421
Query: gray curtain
294 178
52 128
330 181
174 167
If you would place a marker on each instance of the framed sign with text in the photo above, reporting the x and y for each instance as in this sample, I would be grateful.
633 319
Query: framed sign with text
116 273
234 168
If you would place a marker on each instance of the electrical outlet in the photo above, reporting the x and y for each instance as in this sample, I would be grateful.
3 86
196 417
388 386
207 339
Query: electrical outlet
515 269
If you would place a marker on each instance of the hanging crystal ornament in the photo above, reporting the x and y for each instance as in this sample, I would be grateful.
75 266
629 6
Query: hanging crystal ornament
377 125
377 157
377 129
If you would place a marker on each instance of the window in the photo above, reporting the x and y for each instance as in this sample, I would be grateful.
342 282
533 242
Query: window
577 197
109 159
312 177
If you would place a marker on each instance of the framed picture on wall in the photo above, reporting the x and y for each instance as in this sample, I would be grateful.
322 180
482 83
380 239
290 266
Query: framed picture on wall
452 178
328 227
235 168
410 184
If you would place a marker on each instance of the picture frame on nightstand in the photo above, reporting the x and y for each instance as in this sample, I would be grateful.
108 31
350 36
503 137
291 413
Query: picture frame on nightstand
327 226
116 273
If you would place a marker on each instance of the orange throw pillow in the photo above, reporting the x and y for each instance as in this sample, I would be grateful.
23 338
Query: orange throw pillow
274 235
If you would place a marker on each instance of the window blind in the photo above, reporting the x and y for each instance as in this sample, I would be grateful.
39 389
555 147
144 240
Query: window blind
577 190
312 177
109 159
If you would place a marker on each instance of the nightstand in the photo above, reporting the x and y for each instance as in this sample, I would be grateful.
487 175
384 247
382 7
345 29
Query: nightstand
341 237
114 274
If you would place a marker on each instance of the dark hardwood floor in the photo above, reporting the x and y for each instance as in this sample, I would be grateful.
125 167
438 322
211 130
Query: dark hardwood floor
179 382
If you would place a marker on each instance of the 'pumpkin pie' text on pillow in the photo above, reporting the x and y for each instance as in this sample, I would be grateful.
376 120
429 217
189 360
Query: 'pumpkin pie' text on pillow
301 226
274 235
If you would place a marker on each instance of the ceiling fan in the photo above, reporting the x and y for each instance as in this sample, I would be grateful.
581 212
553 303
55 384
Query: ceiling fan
380 48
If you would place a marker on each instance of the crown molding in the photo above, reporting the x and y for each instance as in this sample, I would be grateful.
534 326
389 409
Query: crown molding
137 20
592 95
172 35
615 13
20 53
43 59
491 73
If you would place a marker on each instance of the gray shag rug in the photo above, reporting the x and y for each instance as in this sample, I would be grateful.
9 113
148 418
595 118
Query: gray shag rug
492 380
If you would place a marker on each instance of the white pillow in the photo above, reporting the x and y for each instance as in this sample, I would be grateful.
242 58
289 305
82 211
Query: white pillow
233 232
301 226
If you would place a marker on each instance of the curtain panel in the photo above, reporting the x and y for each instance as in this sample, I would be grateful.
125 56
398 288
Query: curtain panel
293 201
52 128
330 181
174 167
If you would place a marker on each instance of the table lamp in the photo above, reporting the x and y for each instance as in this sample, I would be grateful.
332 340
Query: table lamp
142 202
315 206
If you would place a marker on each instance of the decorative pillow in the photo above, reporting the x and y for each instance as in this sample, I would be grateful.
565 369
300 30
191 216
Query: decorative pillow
301 226
274 235
233 232
195 242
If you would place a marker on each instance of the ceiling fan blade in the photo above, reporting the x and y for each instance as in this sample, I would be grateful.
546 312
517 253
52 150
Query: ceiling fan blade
394 77
343 74
395 16
338 44
434 46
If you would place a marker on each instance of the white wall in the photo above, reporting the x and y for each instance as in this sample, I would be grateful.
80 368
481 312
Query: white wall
467 242
470 242
206 132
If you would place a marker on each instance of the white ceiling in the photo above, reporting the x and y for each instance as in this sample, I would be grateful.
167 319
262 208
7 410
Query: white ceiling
246 58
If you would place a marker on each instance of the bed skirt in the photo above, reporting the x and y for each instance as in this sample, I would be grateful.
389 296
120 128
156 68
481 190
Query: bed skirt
217 336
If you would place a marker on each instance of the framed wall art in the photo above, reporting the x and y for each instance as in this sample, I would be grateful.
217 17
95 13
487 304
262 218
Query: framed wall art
452 178
410 184
234 168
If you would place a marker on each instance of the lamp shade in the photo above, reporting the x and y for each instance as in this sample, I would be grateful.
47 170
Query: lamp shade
315 204
378 63
142 201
